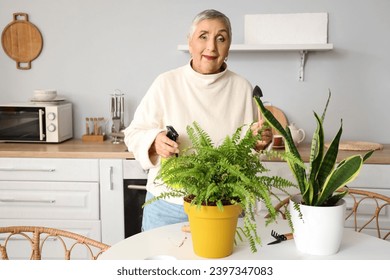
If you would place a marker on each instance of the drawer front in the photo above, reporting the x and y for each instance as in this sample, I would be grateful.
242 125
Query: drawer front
49 200
373 176
43 169
19 248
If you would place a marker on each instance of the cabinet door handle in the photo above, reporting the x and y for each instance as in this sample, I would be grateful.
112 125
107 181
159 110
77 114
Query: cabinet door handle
110 183
28 169
6 200
137 187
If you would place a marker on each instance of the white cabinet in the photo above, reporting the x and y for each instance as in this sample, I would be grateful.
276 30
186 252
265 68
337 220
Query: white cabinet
45 169
49 200
60 193
111 200
84 196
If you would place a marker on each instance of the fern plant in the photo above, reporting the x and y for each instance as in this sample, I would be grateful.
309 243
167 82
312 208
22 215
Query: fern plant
318 186
231 173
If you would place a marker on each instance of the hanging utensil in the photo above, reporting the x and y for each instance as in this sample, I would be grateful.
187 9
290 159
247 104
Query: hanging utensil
87 132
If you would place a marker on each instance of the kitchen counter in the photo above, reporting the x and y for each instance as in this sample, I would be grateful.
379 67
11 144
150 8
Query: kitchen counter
379 156
75 148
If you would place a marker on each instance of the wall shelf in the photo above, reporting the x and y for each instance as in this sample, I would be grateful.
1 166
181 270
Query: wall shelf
273 47
302 48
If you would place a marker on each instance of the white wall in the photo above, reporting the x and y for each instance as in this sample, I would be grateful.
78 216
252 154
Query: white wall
92 47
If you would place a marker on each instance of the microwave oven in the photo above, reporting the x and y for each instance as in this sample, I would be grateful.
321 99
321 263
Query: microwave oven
36 122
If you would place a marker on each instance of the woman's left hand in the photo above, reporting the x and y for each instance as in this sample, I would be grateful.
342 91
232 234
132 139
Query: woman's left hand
266 135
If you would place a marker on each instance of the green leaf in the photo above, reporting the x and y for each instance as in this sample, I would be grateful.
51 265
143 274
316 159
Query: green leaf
270 117
335 198
330 158
316 155
342 175
298 171
367 155
326 106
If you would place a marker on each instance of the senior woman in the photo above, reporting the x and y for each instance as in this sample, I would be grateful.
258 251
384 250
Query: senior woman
204 91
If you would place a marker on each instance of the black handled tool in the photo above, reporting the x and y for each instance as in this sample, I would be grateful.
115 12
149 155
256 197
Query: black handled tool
257 92
280 237
171 133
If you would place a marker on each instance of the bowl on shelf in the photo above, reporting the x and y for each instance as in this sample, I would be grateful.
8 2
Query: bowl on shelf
44 94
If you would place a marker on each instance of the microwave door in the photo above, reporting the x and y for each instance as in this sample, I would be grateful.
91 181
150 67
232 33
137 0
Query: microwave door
22 124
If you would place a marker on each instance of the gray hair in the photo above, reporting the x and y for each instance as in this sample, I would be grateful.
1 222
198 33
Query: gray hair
210 14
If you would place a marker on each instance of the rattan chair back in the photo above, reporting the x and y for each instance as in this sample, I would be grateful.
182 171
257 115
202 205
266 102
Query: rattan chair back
39 239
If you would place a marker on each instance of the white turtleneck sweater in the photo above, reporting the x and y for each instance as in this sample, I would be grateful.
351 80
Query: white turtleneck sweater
219 103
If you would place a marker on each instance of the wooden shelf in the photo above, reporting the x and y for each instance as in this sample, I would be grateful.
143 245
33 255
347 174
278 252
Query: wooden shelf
273 47
302 48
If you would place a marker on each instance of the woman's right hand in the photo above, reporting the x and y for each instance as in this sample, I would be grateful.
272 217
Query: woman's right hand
163 146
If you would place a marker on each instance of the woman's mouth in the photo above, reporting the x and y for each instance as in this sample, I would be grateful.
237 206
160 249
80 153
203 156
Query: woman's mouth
208 57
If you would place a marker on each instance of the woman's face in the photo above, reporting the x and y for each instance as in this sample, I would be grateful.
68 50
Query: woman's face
209 46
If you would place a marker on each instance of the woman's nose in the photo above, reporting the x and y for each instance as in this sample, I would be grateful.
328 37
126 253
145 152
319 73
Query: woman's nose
211 45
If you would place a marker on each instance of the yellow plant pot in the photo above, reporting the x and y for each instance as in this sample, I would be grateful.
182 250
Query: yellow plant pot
212 230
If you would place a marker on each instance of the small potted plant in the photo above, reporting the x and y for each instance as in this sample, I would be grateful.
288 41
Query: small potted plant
218 180
319 185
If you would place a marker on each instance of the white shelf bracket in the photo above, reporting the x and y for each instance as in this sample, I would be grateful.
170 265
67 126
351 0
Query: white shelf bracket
302 66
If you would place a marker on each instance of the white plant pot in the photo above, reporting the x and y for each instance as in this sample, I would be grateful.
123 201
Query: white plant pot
320 229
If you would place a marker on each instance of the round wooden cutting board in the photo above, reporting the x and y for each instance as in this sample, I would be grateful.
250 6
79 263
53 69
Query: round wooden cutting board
22 41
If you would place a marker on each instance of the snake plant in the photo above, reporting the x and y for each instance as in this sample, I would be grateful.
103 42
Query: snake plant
319 184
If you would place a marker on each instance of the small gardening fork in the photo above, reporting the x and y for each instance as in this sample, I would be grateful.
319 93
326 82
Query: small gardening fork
280 237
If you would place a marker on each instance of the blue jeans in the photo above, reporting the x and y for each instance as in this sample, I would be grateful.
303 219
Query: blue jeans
161 213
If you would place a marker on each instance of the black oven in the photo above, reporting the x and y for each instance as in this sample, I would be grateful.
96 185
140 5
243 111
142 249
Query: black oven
134 192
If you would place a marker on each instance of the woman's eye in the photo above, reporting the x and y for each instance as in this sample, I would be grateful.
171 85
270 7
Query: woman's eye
221 39
203 37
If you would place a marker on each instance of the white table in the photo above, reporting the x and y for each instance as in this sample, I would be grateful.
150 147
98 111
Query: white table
172 241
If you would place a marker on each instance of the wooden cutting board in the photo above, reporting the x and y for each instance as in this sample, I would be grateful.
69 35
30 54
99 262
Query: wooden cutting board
22 41
358 146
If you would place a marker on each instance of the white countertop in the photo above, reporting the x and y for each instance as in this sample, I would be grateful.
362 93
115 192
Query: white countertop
73 148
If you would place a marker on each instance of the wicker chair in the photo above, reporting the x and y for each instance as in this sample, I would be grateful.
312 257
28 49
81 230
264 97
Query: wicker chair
39 238
364 211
